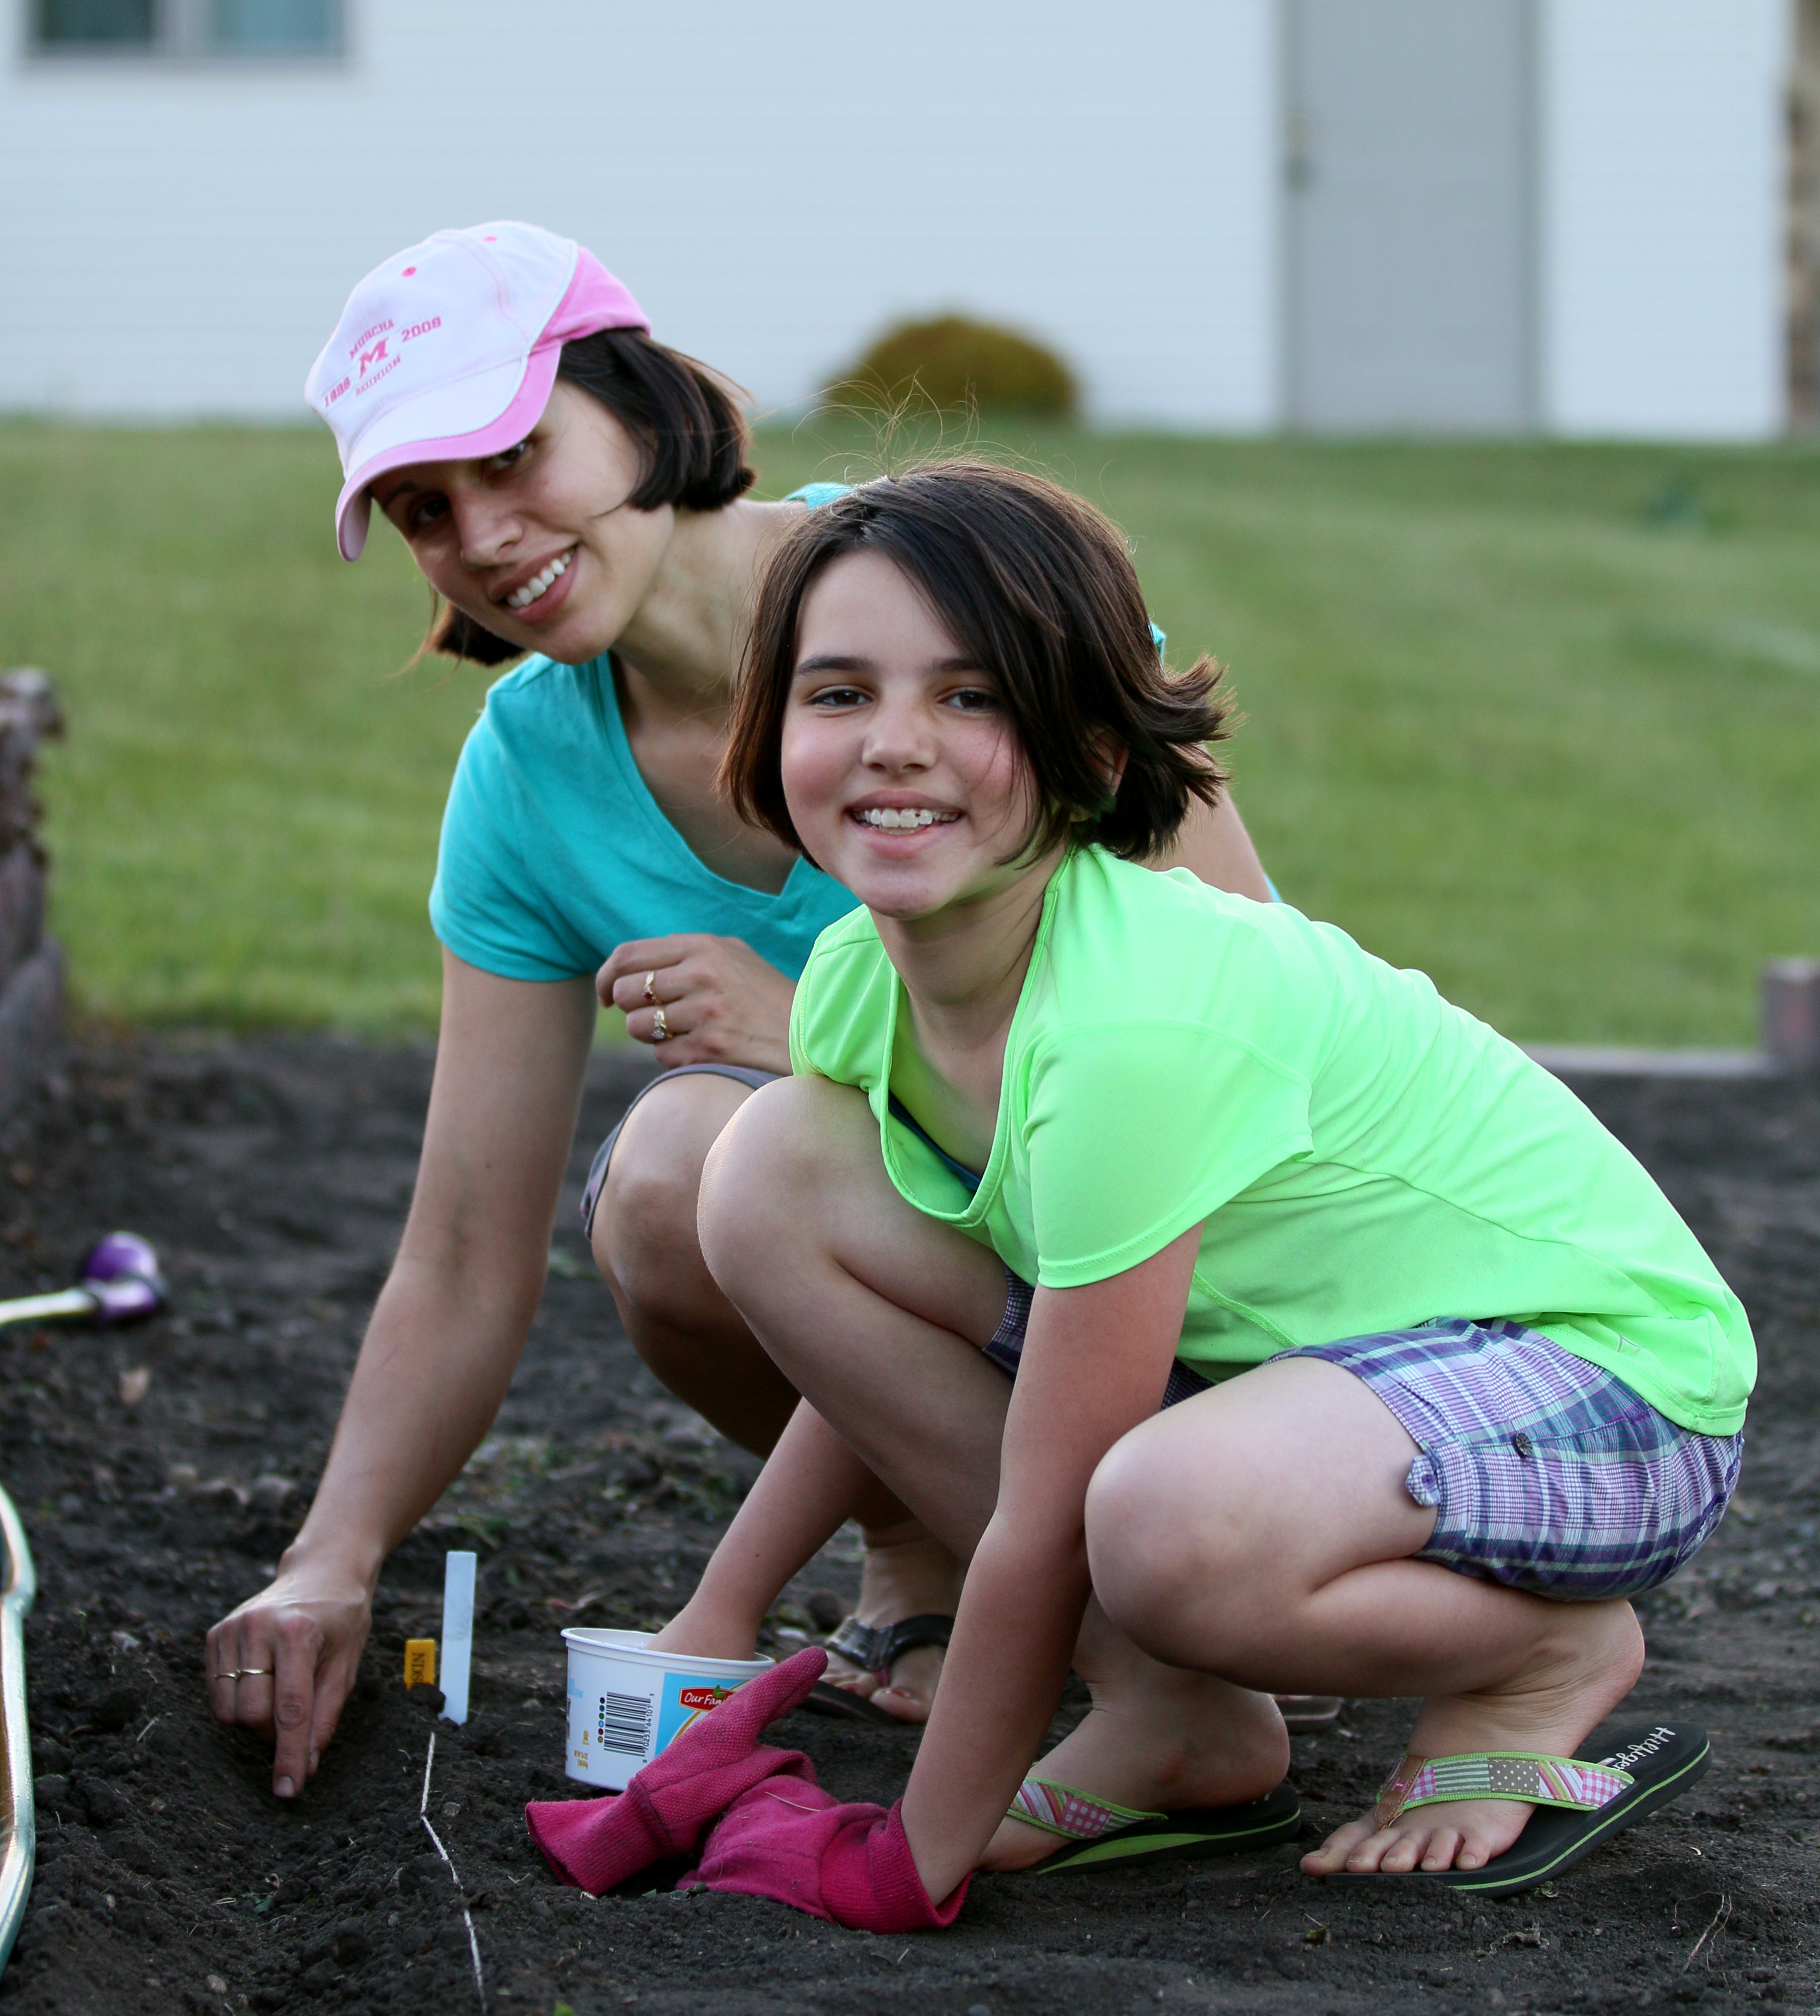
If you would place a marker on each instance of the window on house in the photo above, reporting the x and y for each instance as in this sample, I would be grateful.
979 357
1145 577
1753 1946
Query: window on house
274 26
189 28
95 23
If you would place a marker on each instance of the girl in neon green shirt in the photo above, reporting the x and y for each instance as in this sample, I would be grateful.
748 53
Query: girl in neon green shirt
1352 1355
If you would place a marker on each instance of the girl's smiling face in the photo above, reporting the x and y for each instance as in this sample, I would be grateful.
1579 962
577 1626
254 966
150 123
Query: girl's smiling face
537 544
902 772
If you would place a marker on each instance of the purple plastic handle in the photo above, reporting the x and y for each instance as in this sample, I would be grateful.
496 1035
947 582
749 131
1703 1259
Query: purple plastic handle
121 1272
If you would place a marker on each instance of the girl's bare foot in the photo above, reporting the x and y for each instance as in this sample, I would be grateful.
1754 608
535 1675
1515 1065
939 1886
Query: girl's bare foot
1583 1670
1158 1741
908 1572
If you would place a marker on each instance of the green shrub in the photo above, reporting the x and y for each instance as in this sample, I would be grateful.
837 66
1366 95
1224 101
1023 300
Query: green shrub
953 361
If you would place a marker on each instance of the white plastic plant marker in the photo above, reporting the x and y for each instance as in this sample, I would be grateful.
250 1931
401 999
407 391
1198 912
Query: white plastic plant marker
457 1634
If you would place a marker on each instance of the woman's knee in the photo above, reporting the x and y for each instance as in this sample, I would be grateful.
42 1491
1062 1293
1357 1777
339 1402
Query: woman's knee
644 1236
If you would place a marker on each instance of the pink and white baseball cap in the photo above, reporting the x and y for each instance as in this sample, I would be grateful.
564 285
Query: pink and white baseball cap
448 350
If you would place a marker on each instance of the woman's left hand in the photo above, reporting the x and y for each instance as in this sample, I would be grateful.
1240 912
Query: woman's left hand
698 1000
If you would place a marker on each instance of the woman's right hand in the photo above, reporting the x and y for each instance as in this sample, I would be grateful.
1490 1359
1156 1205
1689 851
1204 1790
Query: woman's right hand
438 1355
296 1646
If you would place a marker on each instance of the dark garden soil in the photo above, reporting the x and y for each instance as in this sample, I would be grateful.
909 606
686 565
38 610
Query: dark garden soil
274 1176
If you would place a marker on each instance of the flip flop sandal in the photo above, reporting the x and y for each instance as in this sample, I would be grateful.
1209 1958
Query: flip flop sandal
1102 1835
1303 1713
874 1648
1580 1801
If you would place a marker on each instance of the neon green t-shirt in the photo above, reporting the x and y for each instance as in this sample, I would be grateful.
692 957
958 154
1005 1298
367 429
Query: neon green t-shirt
1362 1155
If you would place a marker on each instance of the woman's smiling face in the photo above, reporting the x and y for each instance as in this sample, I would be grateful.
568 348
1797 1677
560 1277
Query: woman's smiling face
901 768
537 544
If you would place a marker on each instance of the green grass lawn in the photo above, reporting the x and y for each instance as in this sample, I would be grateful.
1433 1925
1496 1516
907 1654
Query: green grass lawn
1543 721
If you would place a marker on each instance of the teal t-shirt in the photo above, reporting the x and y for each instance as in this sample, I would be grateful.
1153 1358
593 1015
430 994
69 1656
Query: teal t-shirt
1362 1155
554 850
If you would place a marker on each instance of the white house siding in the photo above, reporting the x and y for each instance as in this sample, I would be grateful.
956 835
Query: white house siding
774 182
1663 218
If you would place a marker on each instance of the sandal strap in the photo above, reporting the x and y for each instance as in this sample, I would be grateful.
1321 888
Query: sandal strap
933 1627
1067 1810
1498 1774
875 1648
857 1642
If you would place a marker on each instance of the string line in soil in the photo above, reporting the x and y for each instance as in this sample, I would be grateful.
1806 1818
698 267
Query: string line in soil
467 1916
1717 1925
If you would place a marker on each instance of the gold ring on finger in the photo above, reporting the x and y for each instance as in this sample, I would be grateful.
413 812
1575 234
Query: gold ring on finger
650 988
660 1027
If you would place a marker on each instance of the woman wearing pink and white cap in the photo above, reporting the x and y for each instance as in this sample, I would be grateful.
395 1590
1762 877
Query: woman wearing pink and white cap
573 491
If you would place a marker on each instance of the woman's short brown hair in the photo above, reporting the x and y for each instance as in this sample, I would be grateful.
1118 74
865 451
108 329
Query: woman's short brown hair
1038 588
692 440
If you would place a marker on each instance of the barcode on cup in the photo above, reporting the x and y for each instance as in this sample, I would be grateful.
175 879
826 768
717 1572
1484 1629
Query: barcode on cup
624 1724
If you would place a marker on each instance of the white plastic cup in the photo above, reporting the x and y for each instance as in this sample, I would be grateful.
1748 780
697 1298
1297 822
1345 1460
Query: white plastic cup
628 1705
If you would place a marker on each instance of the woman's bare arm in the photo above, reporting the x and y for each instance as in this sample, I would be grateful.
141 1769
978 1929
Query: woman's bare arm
440 1351
1213 842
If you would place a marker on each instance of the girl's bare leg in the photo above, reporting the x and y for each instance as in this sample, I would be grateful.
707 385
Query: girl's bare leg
1160 1738
877 1314
646 1247
1262 1531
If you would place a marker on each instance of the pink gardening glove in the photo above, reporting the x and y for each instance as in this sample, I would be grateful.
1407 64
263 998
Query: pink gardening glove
596 1843
788 1840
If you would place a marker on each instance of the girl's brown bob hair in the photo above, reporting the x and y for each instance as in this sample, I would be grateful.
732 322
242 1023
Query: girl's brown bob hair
1038 588
692 436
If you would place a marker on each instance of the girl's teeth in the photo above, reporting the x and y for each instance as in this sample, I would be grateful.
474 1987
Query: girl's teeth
538 584
894 821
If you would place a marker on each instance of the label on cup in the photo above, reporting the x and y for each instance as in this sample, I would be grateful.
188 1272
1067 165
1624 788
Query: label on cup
637 1727
684 1700
581 1758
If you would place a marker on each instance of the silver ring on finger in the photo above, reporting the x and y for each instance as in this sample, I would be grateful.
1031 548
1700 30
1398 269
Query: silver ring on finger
660 1027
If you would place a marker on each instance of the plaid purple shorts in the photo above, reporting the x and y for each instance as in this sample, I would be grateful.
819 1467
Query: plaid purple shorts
1546 1474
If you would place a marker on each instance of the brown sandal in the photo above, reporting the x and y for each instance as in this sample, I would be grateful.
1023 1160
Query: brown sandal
874 1648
